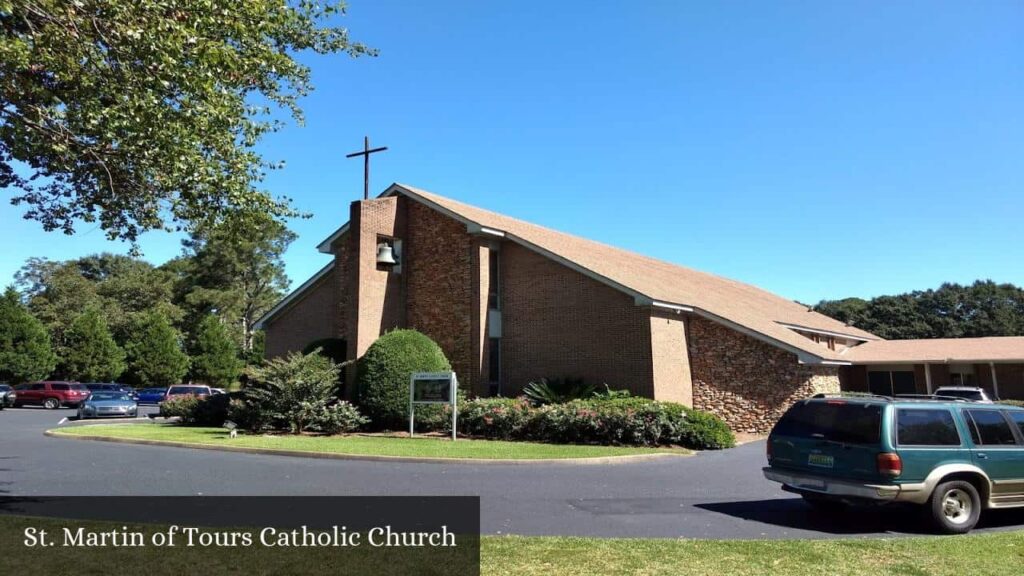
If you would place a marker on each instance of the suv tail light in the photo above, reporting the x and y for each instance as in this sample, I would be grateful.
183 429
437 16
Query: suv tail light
890 464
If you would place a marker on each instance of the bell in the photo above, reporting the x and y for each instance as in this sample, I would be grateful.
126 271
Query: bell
385 255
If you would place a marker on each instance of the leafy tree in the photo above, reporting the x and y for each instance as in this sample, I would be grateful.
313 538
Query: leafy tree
214 356
983 308
25 352
119 286
89 353
235 270
146 114
154 352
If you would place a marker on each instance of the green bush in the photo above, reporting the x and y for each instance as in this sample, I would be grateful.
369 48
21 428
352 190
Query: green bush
382 383
615 421
194 411
1013 402
298 394
495 418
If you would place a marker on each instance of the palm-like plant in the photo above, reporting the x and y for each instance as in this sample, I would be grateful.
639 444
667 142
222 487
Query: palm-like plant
557 391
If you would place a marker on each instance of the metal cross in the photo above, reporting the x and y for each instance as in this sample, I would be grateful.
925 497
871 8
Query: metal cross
366 163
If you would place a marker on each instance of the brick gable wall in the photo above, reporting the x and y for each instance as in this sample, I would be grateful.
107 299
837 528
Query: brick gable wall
305 320
747 382
558 323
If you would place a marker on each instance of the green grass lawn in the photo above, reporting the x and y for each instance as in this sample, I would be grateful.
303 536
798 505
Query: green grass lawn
423 447
975 555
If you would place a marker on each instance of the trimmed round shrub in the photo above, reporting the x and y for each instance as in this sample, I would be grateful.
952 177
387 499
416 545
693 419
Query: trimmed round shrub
382 381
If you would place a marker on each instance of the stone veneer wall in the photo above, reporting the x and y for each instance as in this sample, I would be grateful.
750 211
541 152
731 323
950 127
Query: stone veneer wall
747 382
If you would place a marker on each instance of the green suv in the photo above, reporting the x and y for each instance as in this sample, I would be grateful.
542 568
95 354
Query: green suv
952 457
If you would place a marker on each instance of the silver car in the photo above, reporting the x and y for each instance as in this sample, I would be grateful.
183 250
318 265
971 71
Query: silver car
108 405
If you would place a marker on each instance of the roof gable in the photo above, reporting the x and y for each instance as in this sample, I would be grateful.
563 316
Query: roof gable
744 307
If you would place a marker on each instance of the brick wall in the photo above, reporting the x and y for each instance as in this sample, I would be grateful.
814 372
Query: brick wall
670 358
558 323
440 286
379 302
305 320
343 248
747 382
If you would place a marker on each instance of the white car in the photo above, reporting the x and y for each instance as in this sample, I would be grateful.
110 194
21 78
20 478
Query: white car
970 393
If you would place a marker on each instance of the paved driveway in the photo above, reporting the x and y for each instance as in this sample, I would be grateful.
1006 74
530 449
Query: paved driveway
710 495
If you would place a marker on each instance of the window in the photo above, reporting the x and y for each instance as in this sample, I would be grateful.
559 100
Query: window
494 360
61 387
886 383
836 421
38 387
1018 419
962 379
494 280
916 427
989 428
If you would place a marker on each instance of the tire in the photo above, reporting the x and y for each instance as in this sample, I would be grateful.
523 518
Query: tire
51 404
954 507
823 504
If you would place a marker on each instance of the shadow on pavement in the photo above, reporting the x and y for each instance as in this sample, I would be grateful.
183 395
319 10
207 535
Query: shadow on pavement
856 520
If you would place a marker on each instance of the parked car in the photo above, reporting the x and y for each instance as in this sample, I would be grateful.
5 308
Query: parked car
50 394
6 396
972 393
217 391
953 458
187 390
111 387
108 405
151 395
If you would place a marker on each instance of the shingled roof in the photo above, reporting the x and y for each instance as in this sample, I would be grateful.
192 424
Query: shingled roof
744 307
940 350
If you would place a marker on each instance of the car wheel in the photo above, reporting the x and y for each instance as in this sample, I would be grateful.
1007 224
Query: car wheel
955 507
51 404
824 505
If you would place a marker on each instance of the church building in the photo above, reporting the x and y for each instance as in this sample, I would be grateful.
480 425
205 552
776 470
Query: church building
510 302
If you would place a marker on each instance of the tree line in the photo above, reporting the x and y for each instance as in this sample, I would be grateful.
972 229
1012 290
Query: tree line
983 308
109 317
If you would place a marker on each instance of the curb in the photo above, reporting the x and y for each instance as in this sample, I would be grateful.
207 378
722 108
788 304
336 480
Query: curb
598 460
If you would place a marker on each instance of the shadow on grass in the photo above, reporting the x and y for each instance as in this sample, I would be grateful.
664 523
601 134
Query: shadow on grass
852 521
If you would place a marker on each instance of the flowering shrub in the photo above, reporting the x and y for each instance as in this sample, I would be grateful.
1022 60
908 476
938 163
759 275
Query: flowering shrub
619 420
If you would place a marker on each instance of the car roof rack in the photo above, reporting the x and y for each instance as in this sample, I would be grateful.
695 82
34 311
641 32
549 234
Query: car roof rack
862 395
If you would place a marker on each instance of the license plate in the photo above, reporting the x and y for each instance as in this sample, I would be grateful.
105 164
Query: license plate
820 460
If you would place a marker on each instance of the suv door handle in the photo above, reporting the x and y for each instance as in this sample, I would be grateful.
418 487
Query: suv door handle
982 456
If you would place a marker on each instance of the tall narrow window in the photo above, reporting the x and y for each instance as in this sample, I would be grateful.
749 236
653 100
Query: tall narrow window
494 280
494 363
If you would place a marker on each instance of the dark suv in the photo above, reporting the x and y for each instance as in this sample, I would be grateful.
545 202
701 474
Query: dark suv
50 394
953 458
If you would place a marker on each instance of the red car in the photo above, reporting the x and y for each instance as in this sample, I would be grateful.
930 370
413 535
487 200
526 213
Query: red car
50 394
187 390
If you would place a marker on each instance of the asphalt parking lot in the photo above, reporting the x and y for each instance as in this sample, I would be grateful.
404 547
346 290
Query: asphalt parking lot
710 495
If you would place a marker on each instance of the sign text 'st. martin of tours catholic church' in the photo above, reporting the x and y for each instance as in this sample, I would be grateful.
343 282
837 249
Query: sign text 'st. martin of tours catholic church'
510 302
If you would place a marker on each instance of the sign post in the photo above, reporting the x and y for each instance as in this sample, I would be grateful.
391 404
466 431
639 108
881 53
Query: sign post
432 388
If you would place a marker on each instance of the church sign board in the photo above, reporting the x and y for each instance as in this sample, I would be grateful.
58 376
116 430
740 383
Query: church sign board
432 388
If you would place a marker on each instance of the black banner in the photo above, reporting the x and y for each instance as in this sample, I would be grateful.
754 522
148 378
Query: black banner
239 535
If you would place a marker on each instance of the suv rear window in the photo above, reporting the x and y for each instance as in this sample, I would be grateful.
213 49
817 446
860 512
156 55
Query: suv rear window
838 421
59 386
988 427
1018 419
916 427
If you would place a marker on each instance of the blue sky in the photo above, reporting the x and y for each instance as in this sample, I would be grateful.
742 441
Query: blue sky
816 149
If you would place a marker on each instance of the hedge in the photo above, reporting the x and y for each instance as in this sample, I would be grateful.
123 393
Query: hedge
617 421
1013 402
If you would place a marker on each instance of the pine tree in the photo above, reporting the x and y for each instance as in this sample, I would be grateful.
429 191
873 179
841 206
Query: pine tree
215 356
25 351
154 352
89 353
